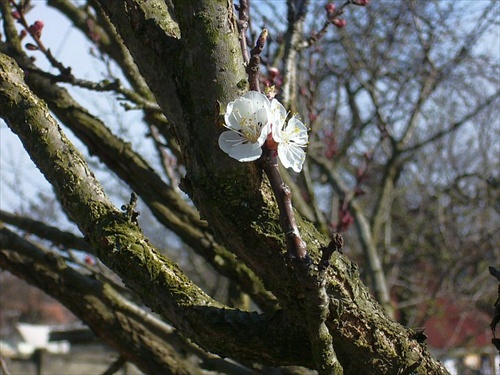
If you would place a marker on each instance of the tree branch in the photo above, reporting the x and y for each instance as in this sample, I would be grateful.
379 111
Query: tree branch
243 20
297 10
98 305
254 63
122 247
296 247
58 237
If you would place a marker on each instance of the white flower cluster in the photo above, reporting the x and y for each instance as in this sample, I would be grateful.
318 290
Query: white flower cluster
252 121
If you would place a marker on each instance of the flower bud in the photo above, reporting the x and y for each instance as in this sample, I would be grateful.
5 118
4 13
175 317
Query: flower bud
36 29
339 22
273 72
360 3
330 9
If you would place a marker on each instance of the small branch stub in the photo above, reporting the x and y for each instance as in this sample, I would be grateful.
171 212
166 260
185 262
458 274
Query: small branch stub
129 209
336 244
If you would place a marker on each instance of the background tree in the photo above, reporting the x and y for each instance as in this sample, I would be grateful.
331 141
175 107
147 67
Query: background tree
391 95
394 100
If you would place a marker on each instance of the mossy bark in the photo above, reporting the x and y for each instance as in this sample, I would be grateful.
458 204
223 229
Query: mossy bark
193 75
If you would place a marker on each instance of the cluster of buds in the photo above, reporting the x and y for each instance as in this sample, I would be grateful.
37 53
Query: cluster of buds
332 13
36 29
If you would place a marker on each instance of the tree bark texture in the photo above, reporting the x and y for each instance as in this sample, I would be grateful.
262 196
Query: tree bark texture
191 60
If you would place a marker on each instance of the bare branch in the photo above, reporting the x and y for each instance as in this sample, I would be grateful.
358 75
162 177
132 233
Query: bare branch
253 66
243 20
63 239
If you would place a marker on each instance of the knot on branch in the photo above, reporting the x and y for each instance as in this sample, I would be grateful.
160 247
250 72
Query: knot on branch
129 209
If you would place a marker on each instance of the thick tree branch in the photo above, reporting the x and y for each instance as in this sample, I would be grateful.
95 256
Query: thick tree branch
115 320
164 201
121 246
210 58
55 235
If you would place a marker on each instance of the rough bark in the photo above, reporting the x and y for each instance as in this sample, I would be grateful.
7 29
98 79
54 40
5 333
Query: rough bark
193 75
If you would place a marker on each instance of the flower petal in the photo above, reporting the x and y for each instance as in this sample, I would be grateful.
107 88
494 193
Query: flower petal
256 100
236 146
291 156
296 132
250 103
278 113
231 123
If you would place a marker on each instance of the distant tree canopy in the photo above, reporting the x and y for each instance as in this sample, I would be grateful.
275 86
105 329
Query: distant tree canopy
400 176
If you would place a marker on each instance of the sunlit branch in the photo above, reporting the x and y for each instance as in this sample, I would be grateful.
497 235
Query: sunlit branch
253 66
243 19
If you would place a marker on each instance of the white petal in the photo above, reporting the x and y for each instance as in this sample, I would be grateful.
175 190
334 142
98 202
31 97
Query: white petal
256 100
246 152
250 103
228 139
249 113
291 156
229 119
296 132
278 113
239 148
262 116
263 135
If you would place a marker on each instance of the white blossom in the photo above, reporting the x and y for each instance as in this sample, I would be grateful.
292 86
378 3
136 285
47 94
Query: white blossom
247 119
290 136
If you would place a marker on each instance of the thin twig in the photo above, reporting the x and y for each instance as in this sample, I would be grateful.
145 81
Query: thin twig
3 366
101 86
167 161
296 247
53 61
313 39
254 64
115 366
243 22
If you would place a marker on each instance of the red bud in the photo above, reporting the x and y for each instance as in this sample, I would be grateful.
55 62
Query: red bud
330 8
36 29
339 22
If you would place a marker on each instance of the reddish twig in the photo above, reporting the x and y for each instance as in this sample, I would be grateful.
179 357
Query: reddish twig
254 64
332 14
243 21
296 247
35 31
